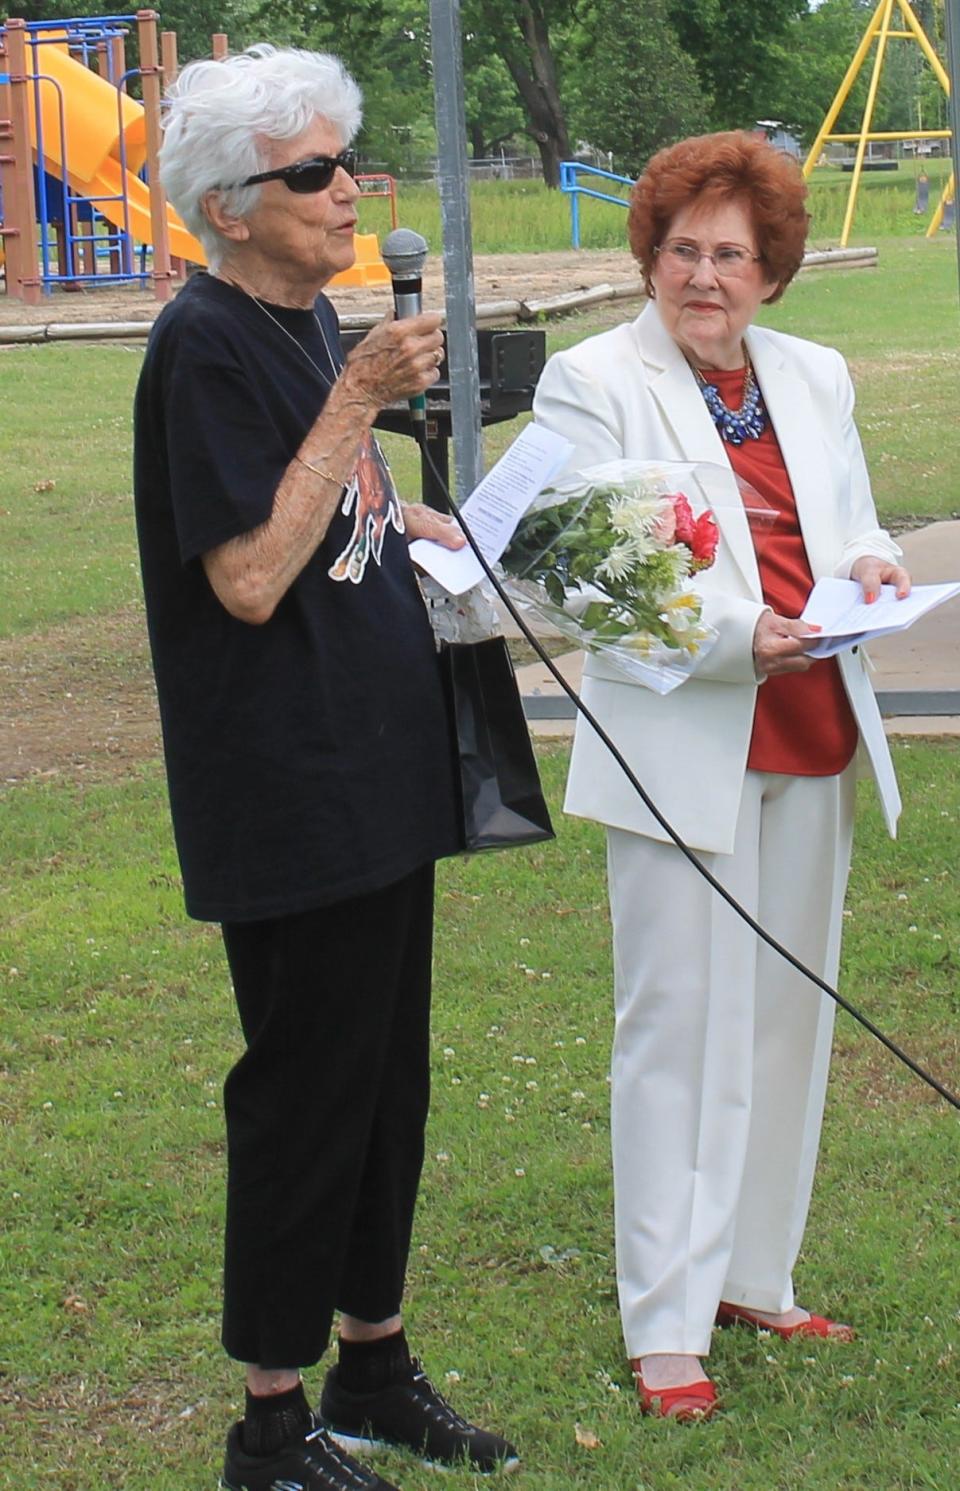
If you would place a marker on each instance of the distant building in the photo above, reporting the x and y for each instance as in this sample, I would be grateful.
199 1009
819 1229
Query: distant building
779 136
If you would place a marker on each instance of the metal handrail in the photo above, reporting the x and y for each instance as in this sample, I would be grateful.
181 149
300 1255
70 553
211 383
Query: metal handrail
569 171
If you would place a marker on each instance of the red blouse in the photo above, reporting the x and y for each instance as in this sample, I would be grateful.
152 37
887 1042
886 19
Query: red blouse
803 724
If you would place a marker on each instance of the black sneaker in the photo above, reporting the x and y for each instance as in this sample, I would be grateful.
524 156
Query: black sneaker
313 1463
410 1414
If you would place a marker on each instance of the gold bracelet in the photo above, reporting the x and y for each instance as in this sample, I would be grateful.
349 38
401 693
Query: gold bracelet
327 475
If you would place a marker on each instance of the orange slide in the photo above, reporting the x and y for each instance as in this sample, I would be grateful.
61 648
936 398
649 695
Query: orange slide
104 134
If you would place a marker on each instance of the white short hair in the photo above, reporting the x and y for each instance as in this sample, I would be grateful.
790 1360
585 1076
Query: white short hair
217 116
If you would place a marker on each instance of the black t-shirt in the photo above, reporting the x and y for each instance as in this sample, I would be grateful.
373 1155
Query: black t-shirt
307 758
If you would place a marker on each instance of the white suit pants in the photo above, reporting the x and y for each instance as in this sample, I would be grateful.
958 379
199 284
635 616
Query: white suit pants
720 1058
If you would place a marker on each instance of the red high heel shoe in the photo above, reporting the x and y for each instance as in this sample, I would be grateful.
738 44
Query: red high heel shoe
692 1403
817 1325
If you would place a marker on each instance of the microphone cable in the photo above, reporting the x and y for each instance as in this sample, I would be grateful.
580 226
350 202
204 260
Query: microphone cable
636 784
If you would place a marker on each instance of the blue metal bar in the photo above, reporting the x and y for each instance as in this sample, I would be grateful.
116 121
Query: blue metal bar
131 72
43 208
80 23
569 172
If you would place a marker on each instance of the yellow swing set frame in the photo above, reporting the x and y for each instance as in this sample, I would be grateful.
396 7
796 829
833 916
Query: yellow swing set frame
881 28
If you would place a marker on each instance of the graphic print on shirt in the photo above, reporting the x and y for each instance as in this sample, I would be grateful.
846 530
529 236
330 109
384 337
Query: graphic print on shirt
372 498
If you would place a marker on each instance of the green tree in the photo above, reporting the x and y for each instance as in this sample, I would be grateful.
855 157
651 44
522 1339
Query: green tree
640 89
812 61
525 35
385 45
491 105
737 48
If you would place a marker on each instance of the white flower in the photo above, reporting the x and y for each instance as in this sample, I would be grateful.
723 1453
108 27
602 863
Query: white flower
618 564
634 516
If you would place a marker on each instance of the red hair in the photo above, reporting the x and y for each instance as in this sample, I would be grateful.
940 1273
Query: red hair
732 165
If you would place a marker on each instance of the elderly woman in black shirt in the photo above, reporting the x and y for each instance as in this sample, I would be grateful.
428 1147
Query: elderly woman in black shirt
306 751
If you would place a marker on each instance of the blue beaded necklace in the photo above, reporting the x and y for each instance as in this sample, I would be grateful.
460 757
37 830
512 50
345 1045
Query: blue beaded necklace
735 425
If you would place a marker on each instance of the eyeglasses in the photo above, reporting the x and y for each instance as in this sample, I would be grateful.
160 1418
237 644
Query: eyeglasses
730 260
313 175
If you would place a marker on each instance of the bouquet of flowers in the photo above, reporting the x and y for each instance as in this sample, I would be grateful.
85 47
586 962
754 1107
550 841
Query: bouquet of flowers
609 559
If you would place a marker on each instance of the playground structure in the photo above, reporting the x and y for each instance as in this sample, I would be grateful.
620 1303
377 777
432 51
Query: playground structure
79 182
881 29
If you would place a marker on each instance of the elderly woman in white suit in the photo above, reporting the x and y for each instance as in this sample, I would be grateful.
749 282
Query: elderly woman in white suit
721 1050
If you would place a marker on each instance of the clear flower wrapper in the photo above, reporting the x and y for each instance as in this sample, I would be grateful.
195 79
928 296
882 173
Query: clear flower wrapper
611 556
470 617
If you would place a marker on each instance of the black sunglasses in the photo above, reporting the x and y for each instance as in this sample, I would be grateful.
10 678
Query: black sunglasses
313 175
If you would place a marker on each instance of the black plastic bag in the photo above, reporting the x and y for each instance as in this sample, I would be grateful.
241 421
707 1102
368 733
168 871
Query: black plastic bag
501 801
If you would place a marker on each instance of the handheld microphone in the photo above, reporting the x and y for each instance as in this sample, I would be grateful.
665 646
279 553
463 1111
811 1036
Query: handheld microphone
404 253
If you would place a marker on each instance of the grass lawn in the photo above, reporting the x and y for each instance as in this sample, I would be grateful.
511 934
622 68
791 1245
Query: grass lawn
523 216
118 1029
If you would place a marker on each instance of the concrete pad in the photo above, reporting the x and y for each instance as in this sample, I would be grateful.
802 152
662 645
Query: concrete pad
928 655
923 724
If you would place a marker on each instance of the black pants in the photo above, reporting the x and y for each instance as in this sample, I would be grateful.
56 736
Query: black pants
325 1117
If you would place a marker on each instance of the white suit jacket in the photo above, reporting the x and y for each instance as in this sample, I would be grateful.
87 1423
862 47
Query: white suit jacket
630 393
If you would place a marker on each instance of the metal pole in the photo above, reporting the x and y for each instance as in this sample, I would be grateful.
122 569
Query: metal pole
23 268
952 13
457 243
150 75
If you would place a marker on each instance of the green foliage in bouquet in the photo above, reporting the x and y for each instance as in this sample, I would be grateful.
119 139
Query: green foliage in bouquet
614 561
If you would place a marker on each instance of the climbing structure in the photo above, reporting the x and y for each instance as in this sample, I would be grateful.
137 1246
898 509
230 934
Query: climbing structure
79 176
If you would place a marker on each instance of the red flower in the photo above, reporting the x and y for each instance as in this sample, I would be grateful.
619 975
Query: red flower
705 540
685 523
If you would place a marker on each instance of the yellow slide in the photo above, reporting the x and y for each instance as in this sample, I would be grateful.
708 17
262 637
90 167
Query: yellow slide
104 132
